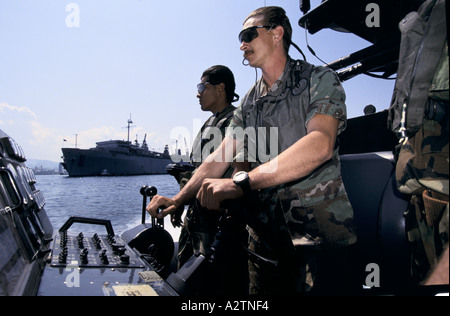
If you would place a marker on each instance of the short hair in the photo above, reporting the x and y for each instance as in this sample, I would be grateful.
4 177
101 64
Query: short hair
222 74
275 16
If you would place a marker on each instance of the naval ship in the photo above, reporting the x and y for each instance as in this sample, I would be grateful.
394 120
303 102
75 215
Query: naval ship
36 259
117 158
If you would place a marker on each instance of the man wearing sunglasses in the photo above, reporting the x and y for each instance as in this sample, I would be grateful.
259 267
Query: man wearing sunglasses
298 214
216 93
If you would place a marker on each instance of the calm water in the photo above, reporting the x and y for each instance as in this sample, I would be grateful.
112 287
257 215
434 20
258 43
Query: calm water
113 198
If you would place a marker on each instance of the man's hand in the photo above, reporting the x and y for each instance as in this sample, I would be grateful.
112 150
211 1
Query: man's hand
214 191
167 205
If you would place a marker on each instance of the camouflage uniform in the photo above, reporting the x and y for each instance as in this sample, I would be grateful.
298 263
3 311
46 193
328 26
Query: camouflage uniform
423 172
312 212
419 113
200 225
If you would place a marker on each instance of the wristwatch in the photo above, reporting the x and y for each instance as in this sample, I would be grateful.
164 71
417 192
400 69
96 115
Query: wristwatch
242 179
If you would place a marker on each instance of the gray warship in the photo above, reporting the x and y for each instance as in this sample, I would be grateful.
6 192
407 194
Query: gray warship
117 158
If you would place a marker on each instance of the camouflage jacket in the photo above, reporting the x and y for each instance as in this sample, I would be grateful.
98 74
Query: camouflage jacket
211 135
207 140
316 208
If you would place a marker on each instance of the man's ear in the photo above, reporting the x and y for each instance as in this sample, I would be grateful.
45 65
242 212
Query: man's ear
221 87
278 34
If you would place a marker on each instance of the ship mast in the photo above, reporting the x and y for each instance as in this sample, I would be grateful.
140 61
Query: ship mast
129 125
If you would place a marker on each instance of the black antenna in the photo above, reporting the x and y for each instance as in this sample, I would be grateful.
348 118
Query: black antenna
305 5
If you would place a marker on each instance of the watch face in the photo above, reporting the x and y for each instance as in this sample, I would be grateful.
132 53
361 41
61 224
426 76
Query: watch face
240 176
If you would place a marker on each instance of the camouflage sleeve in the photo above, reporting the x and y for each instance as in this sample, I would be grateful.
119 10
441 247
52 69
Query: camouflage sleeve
327 96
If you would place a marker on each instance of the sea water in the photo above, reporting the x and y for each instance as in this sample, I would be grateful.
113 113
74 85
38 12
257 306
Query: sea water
117 199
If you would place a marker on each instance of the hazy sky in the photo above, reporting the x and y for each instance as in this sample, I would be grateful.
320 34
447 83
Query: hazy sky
83 66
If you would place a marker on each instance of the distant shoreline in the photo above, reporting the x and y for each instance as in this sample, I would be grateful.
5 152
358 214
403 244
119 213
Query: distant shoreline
43 167
38 172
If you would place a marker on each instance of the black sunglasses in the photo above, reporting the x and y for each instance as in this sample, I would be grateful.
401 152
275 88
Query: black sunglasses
249 34
201 87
